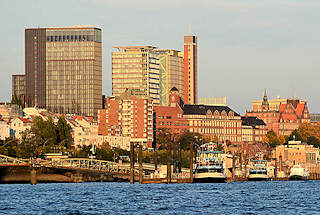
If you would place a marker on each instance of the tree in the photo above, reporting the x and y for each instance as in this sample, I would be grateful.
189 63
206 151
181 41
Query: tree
312 140
29 146
163 137
272 138
17 100
187 137
307 130
307 133
295 135
64 133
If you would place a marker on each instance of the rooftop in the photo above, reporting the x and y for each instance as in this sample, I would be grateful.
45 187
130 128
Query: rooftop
134 48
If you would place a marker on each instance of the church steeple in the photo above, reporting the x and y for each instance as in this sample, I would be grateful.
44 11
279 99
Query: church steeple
265 103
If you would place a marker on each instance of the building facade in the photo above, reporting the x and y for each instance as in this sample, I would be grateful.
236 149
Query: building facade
171 116
171 74
296 152
18 87
128 115
190 69
210 121
253 130
136 67
64 69
283 116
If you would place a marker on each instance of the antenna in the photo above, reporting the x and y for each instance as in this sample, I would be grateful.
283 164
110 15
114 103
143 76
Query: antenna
294 95
190 29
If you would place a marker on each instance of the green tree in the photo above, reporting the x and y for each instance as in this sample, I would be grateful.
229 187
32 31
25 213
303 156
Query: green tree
64 136
312 140
295 135
273 139
17 100
163 137
187 137
29 146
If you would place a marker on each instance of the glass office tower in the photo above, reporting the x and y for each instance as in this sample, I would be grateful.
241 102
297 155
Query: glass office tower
64 69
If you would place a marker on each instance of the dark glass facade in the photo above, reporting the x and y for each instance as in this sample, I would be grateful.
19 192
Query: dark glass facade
73 70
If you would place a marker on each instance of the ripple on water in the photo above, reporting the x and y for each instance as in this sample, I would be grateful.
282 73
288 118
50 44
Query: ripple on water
123 198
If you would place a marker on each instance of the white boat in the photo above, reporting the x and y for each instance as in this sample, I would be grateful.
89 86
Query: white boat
209 167
259 171
298 173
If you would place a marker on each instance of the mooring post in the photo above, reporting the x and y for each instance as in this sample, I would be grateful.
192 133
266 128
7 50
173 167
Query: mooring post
131 163
169 162
245 166
140 165
240 160
275 169
233 166
191 162
33 176
155 160
174 156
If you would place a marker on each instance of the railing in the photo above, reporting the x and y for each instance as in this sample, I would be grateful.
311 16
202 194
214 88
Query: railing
89 164
6 160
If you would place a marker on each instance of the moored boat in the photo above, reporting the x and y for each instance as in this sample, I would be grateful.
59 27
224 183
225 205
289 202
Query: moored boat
259 171
298 173
209 167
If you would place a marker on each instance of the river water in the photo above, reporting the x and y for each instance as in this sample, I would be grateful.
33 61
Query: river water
284 197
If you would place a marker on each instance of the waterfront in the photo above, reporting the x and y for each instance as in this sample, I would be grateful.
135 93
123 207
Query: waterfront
282 197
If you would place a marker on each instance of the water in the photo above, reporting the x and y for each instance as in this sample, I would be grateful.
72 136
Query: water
284 197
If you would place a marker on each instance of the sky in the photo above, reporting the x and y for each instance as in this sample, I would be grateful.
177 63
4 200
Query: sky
244 46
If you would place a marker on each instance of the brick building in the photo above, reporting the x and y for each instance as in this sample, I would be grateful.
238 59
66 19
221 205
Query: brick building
128 115
211 121
280 115
253 129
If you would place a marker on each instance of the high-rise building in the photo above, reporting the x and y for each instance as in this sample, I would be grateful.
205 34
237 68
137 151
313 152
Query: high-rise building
171 74
18 87
190 69
128 115
136 67
64 69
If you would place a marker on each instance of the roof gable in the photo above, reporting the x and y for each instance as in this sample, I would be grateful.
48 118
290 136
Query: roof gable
203 109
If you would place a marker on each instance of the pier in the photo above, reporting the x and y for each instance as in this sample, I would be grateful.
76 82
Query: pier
84 169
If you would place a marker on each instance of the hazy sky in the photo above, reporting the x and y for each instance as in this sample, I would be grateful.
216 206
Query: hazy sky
244 46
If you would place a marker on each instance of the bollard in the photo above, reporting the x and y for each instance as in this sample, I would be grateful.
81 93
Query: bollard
155 160
191 163
140 165
33 176
245 166
169 162
131 163
233 166
275 169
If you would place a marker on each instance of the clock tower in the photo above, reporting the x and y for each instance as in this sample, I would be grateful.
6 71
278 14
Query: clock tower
174 98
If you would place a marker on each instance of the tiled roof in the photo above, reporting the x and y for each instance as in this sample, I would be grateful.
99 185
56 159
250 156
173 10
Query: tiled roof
289 117
25 120
299 109
252 121
202 109
282 107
